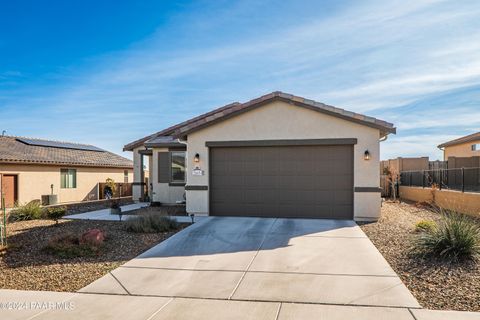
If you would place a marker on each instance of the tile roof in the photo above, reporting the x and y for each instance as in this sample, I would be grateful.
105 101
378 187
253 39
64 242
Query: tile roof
182 129
163 141
13 150
469 138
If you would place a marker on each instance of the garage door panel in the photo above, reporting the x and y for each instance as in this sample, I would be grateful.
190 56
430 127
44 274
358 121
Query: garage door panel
252 181
227 196
251 168
267 181
307 182
253 196
343 197
325 211
323 168
294 181
304 168
305 196
342 167
324 183
342 182
343 212
270 197
288 210
287 168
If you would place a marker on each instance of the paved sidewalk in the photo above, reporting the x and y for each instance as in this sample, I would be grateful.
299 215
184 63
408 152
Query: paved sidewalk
22 305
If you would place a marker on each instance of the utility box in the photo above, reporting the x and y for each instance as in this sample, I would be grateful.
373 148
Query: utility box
49 199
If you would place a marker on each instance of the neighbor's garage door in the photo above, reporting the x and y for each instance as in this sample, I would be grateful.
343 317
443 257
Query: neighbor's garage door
282 181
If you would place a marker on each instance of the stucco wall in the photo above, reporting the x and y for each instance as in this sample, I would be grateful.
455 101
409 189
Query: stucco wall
280 120
465 202
461 150
35 180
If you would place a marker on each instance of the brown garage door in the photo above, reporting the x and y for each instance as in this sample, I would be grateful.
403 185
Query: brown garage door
282 181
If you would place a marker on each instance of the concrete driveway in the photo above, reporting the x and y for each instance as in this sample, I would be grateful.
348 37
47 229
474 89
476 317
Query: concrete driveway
242 268
258 259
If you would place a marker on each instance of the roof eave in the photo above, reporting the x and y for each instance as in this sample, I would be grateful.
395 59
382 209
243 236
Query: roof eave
383 128
53 163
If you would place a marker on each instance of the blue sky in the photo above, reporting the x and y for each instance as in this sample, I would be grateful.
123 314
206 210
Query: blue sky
109 72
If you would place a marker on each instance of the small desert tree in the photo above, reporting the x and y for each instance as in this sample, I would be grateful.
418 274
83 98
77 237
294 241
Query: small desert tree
392 178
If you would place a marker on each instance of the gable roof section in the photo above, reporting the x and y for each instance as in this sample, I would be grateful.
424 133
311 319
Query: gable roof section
469 138
183 129
21 150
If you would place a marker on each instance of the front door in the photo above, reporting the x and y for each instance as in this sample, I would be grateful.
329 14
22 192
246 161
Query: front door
9 189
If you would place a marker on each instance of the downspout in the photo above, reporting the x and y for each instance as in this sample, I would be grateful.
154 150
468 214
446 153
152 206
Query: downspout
443 151
184 142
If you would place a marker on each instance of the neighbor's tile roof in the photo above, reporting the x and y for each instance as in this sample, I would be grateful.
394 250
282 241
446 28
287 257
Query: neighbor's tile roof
469 138
12 150
182 129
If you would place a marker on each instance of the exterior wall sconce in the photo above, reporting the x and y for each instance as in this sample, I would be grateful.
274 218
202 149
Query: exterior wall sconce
196 159
366 155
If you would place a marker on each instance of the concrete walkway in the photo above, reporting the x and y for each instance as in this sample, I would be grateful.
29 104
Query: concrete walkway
244 268
104 214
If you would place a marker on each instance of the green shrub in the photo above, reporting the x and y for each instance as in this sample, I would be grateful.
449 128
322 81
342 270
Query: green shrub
457 237
29 211
151 223
55 213
425 226
69 245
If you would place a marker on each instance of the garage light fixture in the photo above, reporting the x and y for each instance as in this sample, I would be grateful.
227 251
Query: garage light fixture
196 158
366 155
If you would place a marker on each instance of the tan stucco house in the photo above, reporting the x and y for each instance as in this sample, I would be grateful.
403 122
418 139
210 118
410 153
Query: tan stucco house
467 146
30 168
275 156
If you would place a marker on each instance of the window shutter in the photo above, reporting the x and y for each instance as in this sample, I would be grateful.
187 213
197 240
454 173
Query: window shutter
163 167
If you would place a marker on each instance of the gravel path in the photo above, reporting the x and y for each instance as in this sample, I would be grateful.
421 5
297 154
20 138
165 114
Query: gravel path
25 266
435 284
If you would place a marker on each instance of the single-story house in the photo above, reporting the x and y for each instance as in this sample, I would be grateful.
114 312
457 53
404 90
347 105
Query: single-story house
275 156
467 146
31 168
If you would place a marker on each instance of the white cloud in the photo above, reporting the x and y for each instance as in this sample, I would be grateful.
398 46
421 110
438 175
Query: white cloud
368 55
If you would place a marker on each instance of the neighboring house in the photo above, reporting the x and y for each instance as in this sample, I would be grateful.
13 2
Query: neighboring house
467 146
275 156
30 168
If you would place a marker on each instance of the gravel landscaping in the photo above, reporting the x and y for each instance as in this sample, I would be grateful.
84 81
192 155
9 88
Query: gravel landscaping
435 284
26 265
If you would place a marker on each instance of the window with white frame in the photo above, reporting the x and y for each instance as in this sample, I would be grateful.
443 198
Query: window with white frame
68 178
